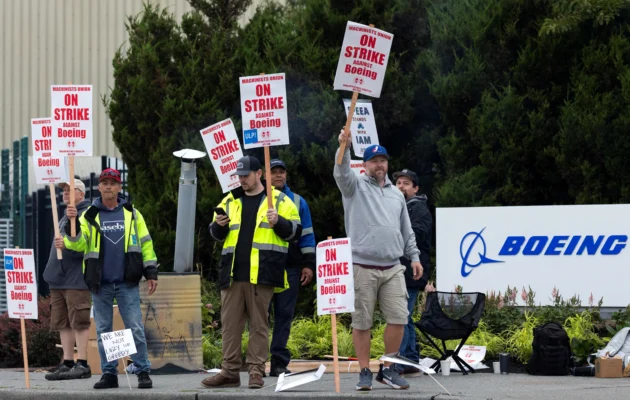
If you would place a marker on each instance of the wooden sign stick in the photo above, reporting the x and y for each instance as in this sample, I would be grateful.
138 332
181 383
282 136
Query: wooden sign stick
53 203
27 380
73 229
268 173
346 128
333 323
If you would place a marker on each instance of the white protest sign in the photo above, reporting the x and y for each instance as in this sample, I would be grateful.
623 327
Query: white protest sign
49 167
357 167
363 127
472 354
72 119
335 280
21 283
288 381
224 150
118 344
264 110
363 59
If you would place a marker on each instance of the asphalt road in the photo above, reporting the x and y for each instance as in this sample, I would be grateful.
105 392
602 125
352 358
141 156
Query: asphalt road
187 386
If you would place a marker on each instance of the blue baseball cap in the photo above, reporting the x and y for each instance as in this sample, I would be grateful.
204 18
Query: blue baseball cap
276 162
373 151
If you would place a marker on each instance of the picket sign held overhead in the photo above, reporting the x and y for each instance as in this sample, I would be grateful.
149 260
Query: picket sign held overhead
362 65
264 110
357 167
49 168
265 120
224 150
363 125
21 287
71 121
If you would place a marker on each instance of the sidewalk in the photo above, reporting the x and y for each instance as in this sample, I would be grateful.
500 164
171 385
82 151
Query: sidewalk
187 386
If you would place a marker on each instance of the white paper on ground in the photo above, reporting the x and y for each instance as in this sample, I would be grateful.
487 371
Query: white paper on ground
395 358
288 381
428 362
213 370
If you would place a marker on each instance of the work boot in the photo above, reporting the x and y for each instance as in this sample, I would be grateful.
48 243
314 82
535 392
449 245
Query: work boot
365 380
256 381
144 382
277 370
79 371
55 374
220 381
108 381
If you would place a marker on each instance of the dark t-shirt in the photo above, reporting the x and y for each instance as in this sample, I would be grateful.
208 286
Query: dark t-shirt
246 237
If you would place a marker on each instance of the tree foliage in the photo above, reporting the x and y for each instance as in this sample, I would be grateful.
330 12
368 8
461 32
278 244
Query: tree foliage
492 102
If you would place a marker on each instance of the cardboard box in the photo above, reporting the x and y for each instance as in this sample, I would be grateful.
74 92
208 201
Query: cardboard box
608 368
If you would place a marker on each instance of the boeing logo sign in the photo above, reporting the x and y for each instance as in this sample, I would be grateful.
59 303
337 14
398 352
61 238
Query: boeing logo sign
473 249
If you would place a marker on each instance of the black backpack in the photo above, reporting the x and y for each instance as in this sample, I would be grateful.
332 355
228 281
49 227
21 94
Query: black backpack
551 351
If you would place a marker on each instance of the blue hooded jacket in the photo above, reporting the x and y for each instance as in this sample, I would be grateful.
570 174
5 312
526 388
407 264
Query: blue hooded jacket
302 253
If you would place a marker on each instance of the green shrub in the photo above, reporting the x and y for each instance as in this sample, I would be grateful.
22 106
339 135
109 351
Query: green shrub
519 340
212 351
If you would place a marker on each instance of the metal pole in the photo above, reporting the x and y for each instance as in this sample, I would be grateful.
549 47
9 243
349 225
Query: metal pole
185 233
17 234
23 186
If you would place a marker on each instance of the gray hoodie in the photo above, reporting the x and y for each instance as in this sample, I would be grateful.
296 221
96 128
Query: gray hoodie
376 218
68 272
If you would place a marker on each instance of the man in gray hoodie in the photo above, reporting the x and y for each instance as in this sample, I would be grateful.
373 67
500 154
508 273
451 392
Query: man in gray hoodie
378 225
70 298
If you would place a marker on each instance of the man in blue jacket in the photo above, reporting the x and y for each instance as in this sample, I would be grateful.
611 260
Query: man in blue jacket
300 268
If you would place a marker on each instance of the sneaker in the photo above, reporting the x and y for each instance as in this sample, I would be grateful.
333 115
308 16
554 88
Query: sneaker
108 381
389 376
55 374
365 380
79 371
277 370
256 381
144 382
220 381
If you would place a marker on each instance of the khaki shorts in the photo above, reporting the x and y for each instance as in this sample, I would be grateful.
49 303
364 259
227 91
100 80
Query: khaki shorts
69 308
388 287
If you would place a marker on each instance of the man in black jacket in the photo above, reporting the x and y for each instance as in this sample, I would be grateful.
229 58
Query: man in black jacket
421 223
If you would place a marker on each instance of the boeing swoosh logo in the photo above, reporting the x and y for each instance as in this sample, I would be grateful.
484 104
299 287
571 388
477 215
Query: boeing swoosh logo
476 241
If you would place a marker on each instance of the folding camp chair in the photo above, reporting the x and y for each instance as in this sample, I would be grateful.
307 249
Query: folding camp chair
451 316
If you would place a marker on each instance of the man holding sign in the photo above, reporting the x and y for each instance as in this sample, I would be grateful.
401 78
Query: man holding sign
378 224
70 298
118 253
255 247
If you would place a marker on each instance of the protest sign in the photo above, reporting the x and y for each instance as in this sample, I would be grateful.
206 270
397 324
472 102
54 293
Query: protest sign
225 150
264 110
363 127
49 167
21 283
289 381
357 167
72 119
363 59
118 344
335 281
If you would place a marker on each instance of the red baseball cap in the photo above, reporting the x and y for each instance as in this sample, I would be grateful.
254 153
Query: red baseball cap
110 173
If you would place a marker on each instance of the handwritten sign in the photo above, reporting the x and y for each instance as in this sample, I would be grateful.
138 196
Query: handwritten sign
363 127
118 344
224 150
21 283
363 59
72 119
335 279
264 110
357 167
49 167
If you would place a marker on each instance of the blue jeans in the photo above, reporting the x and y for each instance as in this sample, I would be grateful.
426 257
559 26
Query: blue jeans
283 305
128 300
408 344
